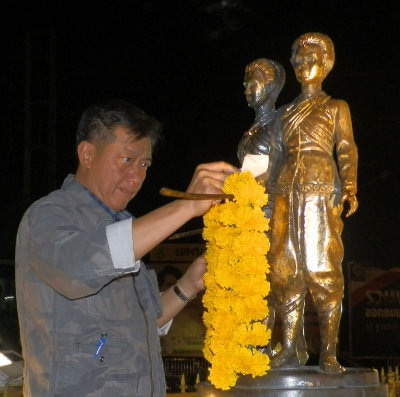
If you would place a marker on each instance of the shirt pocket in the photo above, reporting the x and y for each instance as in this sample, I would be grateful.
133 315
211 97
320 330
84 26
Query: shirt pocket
81 372
114 302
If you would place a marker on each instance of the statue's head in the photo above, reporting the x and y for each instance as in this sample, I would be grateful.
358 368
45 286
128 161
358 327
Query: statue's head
269 75
324 44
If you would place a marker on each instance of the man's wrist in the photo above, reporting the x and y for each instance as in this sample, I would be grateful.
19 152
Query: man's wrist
182 295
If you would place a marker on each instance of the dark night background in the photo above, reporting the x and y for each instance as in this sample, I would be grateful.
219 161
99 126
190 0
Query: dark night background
183 62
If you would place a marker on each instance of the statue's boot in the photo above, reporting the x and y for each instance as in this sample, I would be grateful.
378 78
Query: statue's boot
301 344
291 322
269 324
329 328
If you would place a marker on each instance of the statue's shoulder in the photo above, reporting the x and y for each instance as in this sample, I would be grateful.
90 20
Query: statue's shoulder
339 105
283 109
337 102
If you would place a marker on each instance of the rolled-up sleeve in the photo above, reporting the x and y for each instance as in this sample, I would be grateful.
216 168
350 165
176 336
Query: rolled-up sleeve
120 242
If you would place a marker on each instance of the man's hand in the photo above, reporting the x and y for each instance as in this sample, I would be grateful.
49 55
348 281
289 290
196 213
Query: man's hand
192 281
209 178
190 284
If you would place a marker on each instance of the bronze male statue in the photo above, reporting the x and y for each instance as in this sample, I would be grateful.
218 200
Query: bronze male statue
318 174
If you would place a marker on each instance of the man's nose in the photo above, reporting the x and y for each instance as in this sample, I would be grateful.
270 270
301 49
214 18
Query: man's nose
136 173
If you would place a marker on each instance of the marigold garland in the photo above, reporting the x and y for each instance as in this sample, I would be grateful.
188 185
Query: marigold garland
235 300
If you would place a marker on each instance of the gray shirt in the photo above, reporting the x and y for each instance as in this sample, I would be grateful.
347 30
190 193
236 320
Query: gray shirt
87 310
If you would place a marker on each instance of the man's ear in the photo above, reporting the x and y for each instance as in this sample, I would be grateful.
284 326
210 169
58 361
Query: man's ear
86 152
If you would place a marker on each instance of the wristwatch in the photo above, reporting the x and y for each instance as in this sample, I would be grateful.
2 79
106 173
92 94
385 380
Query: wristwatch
181 295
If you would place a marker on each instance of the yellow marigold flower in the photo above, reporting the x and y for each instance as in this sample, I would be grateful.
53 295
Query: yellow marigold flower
246 189
259 336
221 256
250 243
212 215
253 264
226 277
255 362
229 318
250 335
222 377
250 285
224 236
242 307
251 218
228 214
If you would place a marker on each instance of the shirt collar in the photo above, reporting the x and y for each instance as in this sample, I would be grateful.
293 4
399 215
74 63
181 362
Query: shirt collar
116 216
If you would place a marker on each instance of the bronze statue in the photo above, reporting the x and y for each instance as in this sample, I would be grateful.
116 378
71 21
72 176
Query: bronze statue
263 82
318 174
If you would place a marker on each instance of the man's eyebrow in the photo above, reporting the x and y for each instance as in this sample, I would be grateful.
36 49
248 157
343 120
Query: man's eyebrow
135 153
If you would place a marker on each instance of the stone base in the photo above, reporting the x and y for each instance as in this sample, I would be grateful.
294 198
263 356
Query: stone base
307 381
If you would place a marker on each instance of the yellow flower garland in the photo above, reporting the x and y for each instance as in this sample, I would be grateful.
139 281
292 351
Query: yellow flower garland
235 300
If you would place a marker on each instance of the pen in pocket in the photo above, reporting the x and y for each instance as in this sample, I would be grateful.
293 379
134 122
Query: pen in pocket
100 344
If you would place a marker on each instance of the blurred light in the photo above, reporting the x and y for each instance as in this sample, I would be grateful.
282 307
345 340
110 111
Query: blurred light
4 360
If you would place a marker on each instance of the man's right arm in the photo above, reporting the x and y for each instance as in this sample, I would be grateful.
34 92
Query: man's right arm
151 229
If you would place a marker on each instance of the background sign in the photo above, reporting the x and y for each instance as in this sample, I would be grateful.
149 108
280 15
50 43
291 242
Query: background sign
176 252
374 302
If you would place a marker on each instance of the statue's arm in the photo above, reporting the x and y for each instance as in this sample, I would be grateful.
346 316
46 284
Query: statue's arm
347 156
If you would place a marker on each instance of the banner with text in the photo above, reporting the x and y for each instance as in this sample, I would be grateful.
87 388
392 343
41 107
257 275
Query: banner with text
374 302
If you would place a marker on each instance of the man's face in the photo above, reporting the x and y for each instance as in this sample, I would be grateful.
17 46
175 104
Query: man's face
117 170
308 63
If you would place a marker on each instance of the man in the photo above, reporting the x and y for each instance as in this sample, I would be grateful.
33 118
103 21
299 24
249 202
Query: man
317 176
89 310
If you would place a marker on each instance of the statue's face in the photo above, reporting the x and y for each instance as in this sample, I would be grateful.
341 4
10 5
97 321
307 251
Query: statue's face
257 86
308 63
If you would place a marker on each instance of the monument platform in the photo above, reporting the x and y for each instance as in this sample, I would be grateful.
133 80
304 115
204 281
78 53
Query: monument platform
307 381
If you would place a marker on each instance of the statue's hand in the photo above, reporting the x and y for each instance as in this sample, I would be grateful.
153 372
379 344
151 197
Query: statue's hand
351 198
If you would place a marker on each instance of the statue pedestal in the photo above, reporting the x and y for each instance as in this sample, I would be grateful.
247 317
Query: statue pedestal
307 381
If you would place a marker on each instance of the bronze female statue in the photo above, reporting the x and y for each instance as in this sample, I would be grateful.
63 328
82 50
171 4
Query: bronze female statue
263 82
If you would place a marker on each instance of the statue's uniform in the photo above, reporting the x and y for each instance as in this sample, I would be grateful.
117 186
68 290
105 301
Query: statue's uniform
306 246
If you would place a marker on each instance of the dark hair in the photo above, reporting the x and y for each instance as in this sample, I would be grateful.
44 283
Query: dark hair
99 121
